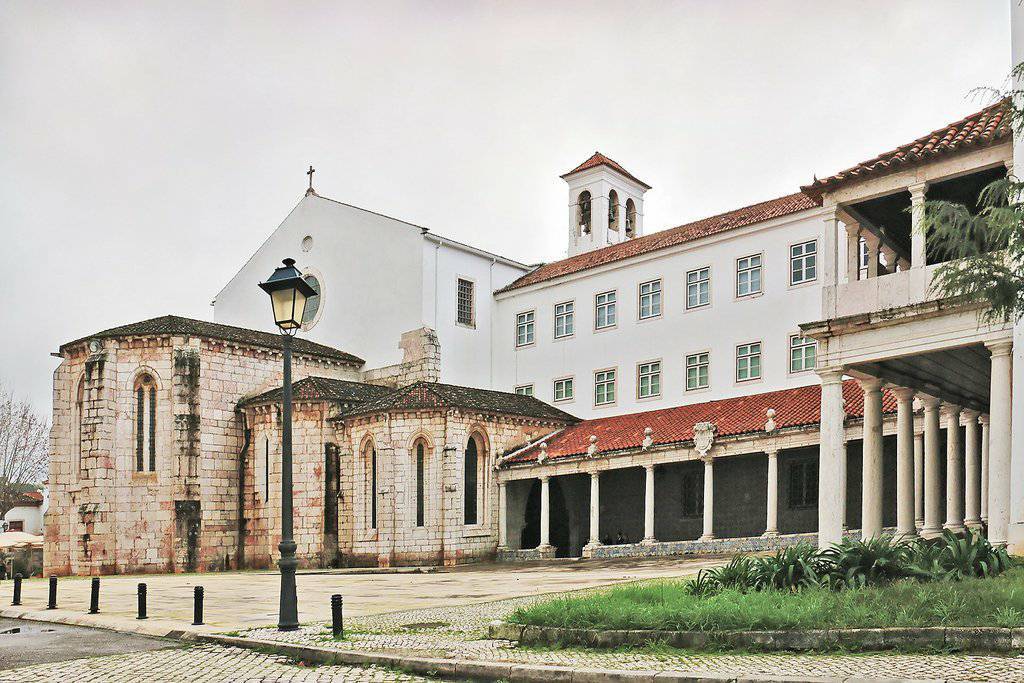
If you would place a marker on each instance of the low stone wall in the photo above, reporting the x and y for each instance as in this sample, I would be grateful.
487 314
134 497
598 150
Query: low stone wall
750 544
970 639
530 555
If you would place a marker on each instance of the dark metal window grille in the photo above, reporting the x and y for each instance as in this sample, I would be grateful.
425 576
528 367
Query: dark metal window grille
470 482
419 485
465 302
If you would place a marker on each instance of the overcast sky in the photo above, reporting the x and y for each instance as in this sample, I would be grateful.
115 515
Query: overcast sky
147 149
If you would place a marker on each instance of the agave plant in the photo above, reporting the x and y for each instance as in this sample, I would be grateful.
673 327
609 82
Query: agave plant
703 585
737 574
798 566
876 561
971 556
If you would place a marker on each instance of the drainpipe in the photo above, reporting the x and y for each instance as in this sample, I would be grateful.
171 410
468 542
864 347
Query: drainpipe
246 439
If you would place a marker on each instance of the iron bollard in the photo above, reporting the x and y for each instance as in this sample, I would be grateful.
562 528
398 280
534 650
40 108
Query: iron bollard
17 590
142 601
337 621
53 593
197 611
94 596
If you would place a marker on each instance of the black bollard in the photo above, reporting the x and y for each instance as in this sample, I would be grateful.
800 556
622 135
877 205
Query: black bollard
53 593
142 601
94 596
17 590
337 619
197 610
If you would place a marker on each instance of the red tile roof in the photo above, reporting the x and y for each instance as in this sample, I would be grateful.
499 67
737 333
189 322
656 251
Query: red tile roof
981 129
748 215
30 498
598 159
732 416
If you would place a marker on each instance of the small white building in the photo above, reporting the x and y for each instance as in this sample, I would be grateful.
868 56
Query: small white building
27 514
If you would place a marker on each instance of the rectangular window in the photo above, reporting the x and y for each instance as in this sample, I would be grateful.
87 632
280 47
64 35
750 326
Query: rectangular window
466 313
563 390
524 328
648 380
604 387
698 288
748 362
803 259
16 525
865 256
803 483
802 352
565 322
697 371
604 310
650 299
691 496
748 275
525 390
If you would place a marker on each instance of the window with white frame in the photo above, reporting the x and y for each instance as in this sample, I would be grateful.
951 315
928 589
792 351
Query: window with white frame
525 390
563 390
748 361
802 353
698 288
803 262
650 299
604 310
748 275
604 387
524 328
697 375
465 313
565 319
648 379
863 257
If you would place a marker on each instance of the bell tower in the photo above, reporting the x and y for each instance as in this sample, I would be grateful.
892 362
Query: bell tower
606 204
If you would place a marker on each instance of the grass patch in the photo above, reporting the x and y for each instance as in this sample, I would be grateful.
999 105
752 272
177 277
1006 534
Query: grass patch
669 605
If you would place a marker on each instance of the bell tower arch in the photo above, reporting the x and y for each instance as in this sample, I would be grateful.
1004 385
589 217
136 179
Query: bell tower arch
605 204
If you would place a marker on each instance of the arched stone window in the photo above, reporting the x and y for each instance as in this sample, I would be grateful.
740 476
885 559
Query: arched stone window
630 218
77 419
473 479
583 208
145 422
419 465
261 475
613 210
370 483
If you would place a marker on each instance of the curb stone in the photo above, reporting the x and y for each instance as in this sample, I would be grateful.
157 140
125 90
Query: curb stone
509 671
969 639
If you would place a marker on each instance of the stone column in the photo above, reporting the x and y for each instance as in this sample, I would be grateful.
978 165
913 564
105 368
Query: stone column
890 258
972 470
852 252
919 481
831 458
709 500
649 504
545 513
871 490
905 494
918 248
595 509
873 245
999 442
954 469
984 467
932 478
771 527
502 515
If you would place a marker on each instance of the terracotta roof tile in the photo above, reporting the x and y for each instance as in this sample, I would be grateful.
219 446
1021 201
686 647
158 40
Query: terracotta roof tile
986 127
732 416
748 215
176 325
598 159
324 389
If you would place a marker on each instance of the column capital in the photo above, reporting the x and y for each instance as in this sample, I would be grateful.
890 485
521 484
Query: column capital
929 402
983 419
707 459
772 452
917 191
649 466
903 394
595 474
970 415
1000 347
951 411
831 375
502 484
870 384
853 229
545 478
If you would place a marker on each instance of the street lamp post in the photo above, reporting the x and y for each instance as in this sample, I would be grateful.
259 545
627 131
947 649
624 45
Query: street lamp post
288 294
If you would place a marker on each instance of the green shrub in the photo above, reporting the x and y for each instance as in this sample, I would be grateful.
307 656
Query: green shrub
792 568
738 574
874 562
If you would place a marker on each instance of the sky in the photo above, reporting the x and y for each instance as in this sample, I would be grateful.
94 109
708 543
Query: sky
147 149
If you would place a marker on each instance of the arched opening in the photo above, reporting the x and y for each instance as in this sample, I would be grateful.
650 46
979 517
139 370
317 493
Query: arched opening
613 210
471 481
583 211
369 453
145 422
419 465
559 523
78 424
630 218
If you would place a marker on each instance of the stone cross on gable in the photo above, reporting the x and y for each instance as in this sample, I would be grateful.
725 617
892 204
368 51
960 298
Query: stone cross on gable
310 173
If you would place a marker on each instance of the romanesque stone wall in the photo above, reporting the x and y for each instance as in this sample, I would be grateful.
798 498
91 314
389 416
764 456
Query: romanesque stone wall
106 516
421 361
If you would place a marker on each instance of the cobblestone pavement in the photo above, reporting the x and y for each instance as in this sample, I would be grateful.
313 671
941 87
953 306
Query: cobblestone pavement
200 664
460 632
